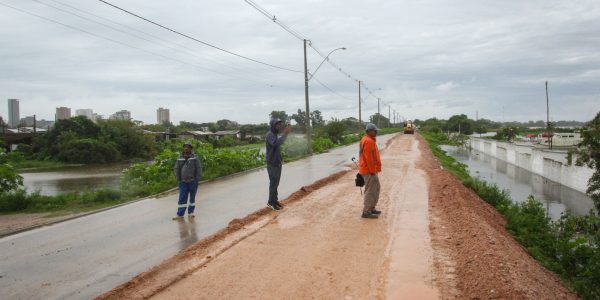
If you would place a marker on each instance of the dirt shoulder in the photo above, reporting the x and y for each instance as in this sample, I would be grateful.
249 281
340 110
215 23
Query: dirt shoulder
473 248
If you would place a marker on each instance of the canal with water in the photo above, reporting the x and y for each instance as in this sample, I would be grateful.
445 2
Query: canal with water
521 183
72 179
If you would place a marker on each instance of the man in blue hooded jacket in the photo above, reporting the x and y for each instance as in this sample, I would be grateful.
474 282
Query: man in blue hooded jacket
188 170
274 161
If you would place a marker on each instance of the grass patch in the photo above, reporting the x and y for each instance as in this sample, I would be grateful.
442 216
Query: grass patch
21 201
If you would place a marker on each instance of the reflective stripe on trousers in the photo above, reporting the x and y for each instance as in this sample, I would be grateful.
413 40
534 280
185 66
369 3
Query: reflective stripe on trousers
187 189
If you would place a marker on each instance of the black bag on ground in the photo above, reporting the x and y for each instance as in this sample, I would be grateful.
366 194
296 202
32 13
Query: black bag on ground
360 180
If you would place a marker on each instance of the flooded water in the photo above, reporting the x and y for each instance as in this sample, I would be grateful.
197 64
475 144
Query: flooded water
70 179
521 183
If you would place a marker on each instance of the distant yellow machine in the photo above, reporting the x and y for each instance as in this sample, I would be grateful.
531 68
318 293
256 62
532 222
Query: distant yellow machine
409 127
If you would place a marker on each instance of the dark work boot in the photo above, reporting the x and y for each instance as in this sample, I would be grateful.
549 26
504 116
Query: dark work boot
369 215
274 206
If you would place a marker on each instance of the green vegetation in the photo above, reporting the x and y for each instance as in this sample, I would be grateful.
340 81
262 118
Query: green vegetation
588 154
79 141
9 179
20 201
449 163
145 179
570 246
506 131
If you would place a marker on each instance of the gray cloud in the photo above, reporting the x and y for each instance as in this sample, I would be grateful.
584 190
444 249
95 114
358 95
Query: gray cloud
430 58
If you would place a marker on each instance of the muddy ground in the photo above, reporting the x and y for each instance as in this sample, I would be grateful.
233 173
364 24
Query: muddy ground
435 239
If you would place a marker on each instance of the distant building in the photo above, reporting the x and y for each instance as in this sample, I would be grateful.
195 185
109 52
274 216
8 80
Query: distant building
86 112
13 113
121 115
45 124
96 117
62 113
27 121
162 115
198 135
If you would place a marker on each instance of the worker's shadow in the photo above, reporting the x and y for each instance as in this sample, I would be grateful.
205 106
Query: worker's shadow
187 232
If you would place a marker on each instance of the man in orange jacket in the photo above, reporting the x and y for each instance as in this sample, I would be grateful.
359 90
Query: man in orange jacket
369 165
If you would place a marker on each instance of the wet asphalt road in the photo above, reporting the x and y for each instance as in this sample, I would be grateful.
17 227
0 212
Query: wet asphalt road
84 257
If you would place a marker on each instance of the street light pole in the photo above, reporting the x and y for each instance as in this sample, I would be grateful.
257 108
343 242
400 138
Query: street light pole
359 109
306 79
326 58
389 114
378 114
548 134
306 100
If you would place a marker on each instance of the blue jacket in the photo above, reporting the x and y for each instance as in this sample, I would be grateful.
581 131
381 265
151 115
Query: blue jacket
274 143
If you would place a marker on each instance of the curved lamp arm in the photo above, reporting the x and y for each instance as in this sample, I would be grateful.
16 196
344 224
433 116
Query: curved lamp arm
326 58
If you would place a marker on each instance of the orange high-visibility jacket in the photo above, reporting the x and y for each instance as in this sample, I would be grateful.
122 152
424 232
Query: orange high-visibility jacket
369 160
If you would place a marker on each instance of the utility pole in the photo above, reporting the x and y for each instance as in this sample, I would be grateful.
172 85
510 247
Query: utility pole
378 113
306 100
389 114
34 125
548 118
359 109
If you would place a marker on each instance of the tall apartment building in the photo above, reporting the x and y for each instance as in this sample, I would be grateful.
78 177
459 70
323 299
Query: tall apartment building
86 112
13 113
162 115
121 115
62 113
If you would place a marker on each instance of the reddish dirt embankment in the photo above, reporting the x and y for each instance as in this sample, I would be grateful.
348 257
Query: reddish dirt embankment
473 248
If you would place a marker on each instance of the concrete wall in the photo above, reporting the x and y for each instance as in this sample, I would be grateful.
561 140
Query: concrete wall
548 164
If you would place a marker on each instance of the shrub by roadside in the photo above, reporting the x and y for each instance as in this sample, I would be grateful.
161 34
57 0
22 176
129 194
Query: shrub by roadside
21 201
146 179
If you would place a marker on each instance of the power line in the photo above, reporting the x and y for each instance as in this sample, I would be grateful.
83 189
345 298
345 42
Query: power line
338 68
295 33
299 36
331 90
161 41
127 45
275 20
197 40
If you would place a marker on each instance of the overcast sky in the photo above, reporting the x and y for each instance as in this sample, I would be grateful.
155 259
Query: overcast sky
428 58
